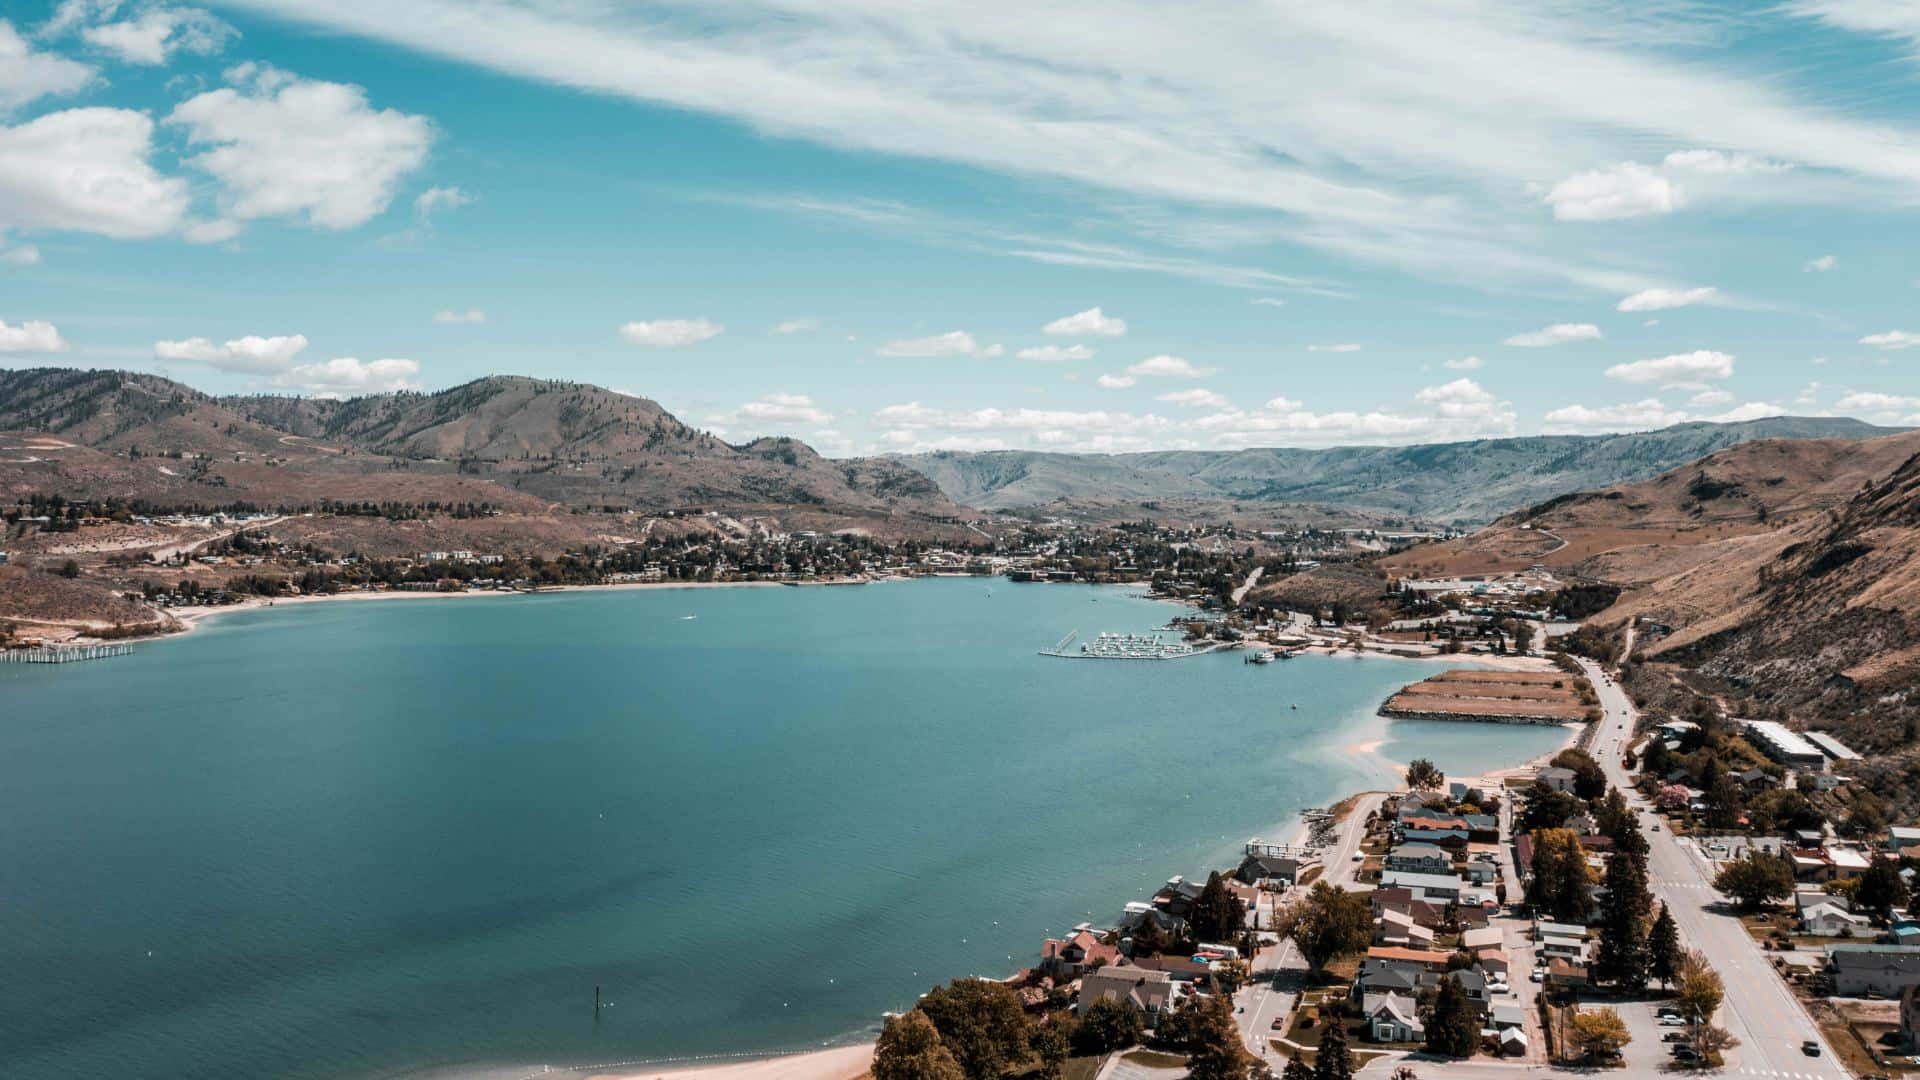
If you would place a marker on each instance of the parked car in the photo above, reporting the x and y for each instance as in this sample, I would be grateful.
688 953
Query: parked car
1539 975
1672 1021
1811 1048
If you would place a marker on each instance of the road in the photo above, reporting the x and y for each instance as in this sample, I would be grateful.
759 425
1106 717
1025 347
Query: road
1760 1011
1253 579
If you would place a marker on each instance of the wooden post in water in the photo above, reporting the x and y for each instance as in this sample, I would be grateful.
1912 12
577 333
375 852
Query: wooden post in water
596 1003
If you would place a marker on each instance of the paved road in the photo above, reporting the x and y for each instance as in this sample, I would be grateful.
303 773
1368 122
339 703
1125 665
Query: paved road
1759 1009
1252 580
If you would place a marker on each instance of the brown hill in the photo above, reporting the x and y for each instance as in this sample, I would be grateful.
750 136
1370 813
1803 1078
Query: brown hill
505 440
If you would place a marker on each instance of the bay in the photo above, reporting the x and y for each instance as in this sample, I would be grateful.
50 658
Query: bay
363 839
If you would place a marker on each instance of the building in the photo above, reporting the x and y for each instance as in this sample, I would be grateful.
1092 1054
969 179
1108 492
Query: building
1834 920
1785 746
1555 777
1152 992
1885 970
1423 886
1902 837
1832 747
1392 1018
1066 958
1419 859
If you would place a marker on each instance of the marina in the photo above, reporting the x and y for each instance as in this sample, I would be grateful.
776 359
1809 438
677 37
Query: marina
63 654
1117 646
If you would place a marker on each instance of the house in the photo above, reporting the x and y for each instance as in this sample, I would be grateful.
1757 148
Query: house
1494 962
1562 975
1425 959
1512 1042
1269 871
1508 1014
1555 777
1181 969
1833 920
1441 887
1474 983
1859 970
1848 862
1902 837
1392 1018
1178 895
1451 839
1419 859
1756 780
1066 958
1392 977
1486 937
1152 992
1480 873
1810 864
1396 926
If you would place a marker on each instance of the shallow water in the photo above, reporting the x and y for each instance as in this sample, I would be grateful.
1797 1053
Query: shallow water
363 839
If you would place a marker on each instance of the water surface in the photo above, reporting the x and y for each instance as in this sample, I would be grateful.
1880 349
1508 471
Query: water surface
364 839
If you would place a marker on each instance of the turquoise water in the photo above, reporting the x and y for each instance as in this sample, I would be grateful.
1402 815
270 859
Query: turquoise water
365 839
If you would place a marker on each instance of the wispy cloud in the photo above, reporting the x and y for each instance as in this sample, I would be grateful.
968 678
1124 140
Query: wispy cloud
1557 334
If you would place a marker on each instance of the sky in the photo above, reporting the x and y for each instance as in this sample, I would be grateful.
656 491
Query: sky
889 227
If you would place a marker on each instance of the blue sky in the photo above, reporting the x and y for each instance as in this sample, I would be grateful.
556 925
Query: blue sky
882 227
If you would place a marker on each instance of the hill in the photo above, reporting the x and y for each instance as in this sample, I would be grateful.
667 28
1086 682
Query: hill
502 440
1465 482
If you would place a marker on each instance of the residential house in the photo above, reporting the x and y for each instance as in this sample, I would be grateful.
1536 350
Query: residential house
1066 958
1832 919
1474 982
1396 926
1425 959
1495 963
1811 864
1150 991
1393 1018
1181 969
1451 839
1556 777
1441 887
1756 780
1563 975
1419 859
1886 970
1269 871
1902 837
1485 937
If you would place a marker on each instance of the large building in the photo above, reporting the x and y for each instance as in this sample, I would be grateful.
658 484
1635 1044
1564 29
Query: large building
1785 746
1886 970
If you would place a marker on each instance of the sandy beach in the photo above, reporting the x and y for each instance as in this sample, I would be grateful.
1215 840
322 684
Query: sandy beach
838 1063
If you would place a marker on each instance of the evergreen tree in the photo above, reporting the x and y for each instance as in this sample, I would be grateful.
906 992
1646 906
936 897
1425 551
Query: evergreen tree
1560 877
1622 956
1217 914
1214 1049
1663 948
1296 1070
1453 1028
1881 889
1334 1061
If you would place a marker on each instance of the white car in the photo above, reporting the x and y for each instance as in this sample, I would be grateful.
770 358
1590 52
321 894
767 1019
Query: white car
1539 975
1672 1021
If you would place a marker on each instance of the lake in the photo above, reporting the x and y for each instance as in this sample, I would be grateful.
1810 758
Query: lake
363 839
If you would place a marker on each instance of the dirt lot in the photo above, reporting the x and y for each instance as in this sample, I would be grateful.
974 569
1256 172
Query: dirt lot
1496 695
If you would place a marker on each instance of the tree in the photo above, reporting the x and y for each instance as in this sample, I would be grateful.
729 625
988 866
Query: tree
1756 879
1334 1061
1214 1049
1546 809
1881 889
1621 958
1600 1033
1867 816
1663 948
1217 914
981 1023
1673 798
1327 923
910 1049
1618 823
1453 1027
1701 991
1296 1070
1725 801
1051 1044
1108 1025
1560 877
1589 780
69 569
1423 775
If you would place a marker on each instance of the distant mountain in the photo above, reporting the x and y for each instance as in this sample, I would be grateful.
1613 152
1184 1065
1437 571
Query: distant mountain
519 438
1465 482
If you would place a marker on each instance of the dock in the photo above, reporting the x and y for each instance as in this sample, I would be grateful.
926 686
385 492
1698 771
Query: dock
63 654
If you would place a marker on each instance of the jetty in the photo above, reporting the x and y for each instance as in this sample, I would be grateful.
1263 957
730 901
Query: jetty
62 654
1112 646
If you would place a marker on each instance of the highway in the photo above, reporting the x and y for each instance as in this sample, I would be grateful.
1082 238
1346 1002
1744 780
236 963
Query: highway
1760 1011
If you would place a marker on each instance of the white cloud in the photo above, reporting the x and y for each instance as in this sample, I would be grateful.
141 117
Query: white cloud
1645 415
32 336
1697 365
1169 367
436 199
26 75
1462 410
286 147
1666 299
1876 402
1050 354
771 413
671 333
154 35
1089 323
1822 264
1709 399
18 254
797 326
916 426
1465 363
1892 339
1557 334
1194 399
1752 410
1268 301
1459 398
471 316
951 343
1342 348
1115 382
1626 190
1719 162
251 354
86 170
346 376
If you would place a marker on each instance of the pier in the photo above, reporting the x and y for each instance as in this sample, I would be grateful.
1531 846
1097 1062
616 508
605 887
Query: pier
62 654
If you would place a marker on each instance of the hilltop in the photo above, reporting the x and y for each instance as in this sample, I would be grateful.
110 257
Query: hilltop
1464 482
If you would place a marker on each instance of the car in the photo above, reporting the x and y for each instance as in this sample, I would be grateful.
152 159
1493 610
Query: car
1685 1053
1279 1023
1811 1048
1539 975
1656 826
1359 857
1672 1021
1673 1036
